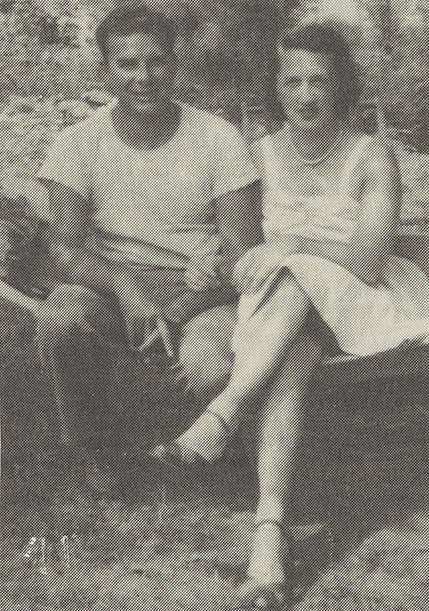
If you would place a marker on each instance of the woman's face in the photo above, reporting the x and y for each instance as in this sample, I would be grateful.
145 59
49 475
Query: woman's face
307 88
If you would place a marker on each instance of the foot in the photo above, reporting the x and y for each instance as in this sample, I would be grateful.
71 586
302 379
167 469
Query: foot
270 567
204 441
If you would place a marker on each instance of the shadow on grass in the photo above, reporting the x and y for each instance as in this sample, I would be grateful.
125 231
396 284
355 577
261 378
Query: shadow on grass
363 466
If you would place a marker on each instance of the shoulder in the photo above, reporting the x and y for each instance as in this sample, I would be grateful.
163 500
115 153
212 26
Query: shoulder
272 145
86 130
380 158
209 124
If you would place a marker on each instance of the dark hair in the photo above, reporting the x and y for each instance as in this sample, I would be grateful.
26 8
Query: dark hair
318 38
124 21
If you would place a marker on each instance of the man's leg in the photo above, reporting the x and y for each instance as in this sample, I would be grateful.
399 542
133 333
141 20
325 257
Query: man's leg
70 323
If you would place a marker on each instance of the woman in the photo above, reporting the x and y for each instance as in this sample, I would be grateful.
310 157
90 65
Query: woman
331 208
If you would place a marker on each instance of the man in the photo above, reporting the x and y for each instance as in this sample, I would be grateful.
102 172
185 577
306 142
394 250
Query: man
152 203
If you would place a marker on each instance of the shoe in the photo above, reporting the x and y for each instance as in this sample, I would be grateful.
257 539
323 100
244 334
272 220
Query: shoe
271 596
170 455
173 456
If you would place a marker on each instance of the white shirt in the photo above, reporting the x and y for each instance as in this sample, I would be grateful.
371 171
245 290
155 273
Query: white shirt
152 206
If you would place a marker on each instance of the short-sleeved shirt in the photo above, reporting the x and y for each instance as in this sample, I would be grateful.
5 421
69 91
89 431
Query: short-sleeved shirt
152 206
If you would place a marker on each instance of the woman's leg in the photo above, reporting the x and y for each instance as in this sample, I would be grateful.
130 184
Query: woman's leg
263 341
279 433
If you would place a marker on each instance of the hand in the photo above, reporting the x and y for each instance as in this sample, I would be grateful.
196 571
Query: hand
256 266
202 273
139 313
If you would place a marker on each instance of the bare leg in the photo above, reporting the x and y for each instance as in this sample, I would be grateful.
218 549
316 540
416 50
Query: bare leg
263 342
279 433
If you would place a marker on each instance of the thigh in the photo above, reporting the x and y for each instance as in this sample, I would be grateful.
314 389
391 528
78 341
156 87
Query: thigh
277 319
162 285
72 307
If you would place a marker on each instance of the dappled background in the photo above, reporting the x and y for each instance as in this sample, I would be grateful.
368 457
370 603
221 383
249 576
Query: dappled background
361 495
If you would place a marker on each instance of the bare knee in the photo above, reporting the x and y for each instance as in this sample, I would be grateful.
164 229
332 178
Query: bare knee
63 312
68 295
205 366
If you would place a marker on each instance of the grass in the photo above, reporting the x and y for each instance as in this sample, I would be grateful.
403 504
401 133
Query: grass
182 544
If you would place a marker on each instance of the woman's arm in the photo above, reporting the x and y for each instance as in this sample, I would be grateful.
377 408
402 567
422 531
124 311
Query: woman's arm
373 238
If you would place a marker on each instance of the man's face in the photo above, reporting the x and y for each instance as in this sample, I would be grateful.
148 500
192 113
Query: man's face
307 88
139 71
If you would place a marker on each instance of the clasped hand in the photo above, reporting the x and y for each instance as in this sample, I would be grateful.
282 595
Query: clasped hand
258 264
202 273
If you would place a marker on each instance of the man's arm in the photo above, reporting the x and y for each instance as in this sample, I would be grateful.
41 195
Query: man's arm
70 224
77 265
238 221
375 230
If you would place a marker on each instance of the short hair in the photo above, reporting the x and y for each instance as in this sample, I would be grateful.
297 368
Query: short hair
326 39
124 21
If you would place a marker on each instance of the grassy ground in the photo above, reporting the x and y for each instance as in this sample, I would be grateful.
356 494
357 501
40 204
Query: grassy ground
168 544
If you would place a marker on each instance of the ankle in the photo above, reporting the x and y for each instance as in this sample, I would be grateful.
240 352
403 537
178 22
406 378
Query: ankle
207 437
270 524
271 510
225 425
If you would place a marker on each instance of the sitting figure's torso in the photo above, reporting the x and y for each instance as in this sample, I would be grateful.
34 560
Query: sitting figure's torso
152 205
319 201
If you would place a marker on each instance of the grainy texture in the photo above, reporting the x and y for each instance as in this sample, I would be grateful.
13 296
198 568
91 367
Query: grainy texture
176 543
183 544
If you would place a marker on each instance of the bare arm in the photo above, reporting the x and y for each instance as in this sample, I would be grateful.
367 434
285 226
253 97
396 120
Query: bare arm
371 243
70 227
372 240
238 220
75 264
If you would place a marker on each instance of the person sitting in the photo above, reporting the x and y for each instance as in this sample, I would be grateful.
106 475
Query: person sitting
326 276
152 202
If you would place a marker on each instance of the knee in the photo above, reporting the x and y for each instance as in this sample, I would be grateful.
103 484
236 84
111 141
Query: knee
206 364
62 313
205 350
